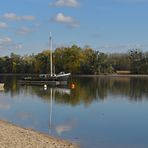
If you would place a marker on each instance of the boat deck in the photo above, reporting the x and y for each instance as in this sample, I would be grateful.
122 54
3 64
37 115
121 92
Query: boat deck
52 83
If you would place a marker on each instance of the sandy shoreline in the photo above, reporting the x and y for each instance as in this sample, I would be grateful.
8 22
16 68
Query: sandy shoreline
12 136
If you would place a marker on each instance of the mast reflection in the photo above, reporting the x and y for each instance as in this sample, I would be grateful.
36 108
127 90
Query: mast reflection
53 91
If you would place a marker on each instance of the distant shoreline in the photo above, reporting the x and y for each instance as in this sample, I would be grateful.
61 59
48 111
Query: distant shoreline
15 136
17 74
82 75
113 75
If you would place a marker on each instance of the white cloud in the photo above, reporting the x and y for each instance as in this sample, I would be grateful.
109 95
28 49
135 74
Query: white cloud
68 20
65 3
63 128
24 30
3 25
12 16
7 43
66 127
61 18
5 40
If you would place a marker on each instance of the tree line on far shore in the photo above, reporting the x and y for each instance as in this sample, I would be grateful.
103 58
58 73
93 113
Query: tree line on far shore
77 61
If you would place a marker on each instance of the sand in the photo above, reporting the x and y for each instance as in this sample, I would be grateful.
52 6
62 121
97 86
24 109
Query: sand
12 136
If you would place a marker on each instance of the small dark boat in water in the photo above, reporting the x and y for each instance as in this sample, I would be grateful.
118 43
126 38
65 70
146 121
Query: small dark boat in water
46 77
60 79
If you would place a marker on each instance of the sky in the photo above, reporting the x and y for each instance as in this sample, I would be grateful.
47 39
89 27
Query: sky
105 25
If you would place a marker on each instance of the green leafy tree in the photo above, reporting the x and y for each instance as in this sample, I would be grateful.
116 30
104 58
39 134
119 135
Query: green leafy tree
136 57
68 59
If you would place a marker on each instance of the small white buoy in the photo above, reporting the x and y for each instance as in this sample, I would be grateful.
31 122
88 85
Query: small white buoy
1 86
45 87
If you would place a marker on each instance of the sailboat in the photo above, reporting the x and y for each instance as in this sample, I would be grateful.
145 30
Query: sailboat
50 79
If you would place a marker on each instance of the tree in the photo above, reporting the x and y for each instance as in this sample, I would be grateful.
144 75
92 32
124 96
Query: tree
136 57
42 62
120 62
68 59
87 62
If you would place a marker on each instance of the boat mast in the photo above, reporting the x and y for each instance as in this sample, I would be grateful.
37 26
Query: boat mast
50 114
50 42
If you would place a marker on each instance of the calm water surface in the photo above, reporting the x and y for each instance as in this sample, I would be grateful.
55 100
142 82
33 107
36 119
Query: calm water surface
97 113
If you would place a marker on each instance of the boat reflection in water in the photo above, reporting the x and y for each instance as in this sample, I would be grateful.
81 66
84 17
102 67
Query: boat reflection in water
53 91
54 80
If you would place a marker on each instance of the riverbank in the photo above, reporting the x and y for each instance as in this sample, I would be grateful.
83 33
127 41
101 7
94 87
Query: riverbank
112 75
13 136
82 75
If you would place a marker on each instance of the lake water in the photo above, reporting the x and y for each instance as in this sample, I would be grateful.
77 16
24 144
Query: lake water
107 112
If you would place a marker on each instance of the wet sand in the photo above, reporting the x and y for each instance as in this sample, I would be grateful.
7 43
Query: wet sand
12 136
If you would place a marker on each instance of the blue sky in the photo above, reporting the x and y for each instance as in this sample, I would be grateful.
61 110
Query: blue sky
105 25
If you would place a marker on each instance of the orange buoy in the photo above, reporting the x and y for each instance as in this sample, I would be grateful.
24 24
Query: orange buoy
73 86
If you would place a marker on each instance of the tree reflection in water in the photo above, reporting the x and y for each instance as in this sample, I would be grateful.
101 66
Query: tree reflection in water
87 90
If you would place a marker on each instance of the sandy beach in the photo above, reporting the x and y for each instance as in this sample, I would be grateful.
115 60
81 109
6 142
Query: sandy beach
12 136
